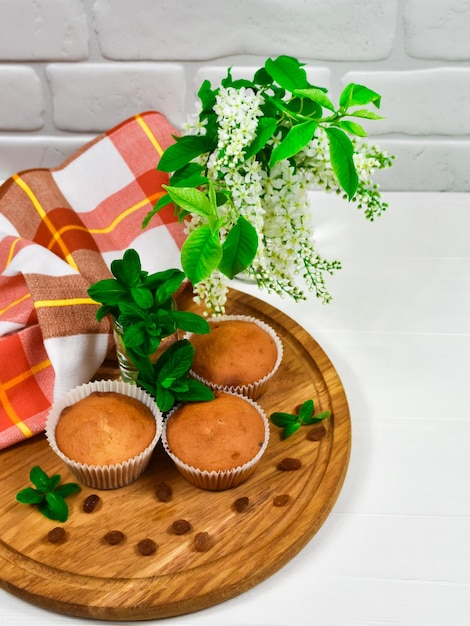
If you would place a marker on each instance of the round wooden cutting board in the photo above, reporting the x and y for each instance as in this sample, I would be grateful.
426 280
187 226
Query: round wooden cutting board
86 577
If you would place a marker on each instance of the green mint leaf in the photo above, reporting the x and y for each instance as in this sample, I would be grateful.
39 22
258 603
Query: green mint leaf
39 478
352 128
341 157
107 291
316 95
283 419
183 151
53 482
287 72
296 139
192 200
176 361
56 507
67 489
290 429
142 297
196 392
239 248
317 418
166 290
306 410
164 398
29 496
127 269
201 254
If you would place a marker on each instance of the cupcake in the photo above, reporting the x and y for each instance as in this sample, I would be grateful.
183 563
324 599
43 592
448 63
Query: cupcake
105 432
217 444
239 354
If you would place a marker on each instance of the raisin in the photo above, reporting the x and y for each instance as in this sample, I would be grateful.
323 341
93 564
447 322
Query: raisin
146 547
180 527
241 504
91 503
202 542
164 492
317 433
289 464
56 535
114 537
281 500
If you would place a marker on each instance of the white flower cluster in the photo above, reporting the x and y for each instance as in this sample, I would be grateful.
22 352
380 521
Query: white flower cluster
276 201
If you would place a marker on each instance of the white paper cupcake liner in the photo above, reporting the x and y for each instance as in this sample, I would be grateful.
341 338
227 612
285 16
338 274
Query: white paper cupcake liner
105 476
255 389
224 479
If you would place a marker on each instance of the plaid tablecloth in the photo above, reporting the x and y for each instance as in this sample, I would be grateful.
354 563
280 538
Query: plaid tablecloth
59 231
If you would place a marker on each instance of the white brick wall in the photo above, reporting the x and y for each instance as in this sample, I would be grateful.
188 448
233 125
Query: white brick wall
70 69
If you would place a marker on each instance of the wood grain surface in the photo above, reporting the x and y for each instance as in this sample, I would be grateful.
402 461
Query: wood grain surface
85 577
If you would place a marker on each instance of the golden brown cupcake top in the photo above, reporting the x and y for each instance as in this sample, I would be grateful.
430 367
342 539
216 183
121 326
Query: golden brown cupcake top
234 353
105 428
221 434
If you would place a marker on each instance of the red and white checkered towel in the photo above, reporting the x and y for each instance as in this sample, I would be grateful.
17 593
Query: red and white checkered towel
59 231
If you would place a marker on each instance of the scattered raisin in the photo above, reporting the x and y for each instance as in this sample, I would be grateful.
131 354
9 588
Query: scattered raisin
114 537
281 500
91 503
289 464
202 542
56 535
241 504
180 527
164 492
317 433
146 547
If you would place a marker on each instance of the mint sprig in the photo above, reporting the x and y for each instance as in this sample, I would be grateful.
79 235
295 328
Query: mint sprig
291 422
47 494
169 381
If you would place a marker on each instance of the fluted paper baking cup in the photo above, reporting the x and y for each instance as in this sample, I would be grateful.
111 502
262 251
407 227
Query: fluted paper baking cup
105 476
256 388
224 479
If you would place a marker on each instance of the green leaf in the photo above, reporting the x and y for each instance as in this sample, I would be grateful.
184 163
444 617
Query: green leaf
39 478
306 410
176 361
317 95
317 418
107 291
287 72
239 248
189 176
164 398
127 269
53 482
341 157
183 151
352 128
282 419
296 139
191 322
67 489
201 254
356 95
29 496
190 199
365 114
142 297
56 507
264 131
196 392
290 429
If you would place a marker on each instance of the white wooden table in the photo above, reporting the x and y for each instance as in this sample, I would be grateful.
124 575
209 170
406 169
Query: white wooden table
395 550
